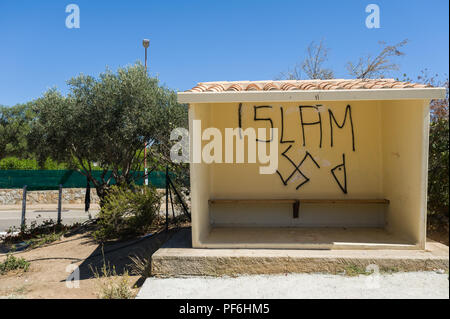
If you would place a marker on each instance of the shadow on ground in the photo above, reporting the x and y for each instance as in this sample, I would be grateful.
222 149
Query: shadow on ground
116 255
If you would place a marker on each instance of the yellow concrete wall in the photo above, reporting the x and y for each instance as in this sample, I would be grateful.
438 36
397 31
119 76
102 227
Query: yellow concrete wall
363 165
200 181
405 163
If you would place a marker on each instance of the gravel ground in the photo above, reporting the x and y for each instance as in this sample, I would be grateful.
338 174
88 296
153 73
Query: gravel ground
300 286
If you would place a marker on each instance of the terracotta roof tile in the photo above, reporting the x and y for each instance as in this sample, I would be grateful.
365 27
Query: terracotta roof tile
270 86
334 84
235 87
253 87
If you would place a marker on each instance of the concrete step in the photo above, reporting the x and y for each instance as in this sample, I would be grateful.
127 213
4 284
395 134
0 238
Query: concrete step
177 258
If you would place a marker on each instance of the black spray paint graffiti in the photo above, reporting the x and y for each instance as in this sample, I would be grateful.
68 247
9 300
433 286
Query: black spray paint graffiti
263 119
282 128
303 123
297 168
339 172
240 120
342 181
348 111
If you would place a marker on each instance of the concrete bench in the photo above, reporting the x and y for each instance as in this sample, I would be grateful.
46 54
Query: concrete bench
296 202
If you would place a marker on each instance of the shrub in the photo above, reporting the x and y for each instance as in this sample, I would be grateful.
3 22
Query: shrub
36 235
13 263
438 180
127 212
16 163
9 163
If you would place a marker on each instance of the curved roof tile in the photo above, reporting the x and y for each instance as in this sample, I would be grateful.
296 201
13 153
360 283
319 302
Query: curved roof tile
333 84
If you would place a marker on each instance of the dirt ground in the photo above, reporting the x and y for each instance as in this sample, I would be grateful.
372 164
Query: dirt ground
51 266
441 236
438 231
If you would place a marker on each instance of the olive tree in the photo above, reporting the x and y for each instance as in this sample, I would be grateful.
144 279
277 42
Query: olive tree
106 121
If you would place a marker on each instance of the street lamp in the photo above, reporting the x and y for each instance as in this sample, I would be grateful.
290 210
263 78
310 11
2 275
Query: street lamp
146 44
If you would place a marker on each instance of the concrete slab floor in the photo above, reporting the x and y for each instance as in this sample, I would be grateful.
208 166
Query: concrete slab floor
300 286
304 238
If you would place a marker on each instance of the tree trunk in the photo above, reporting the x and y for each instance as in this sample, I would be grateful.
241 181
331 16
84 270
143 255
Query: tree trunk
102 192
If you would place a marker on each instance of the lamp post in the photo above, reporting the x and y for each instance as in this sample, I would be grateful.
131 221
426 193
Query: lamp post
146 44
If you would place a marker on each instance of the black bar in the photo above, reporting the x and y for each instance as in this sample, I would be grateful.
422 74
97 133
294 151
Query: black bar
24 207
171 203
296 207
59 204
167 198
186 211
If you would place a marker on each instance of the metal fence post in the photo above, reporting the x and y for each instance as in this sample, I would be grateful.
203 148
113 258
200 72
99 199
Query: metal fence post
59 204
186 211
171 204
24 207
167 198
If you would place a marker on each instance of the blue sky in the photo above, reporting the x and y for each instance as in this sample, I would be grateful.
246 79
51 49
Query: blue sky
193 41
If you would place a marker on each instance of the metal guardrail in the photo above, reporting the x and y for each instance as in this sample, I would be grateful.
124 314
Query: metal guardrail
24 206
169 188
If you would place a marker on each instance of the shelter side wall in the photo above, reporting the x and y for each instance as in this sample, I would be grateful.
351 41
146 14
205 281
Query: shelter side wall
405 165
200 180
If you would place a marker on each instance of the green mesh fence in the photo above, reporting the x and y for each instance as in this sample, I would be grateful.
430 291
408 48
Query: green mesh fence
51 179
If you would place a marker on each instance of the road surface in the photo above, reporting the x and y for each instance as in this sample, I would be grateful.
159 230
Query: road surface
10 218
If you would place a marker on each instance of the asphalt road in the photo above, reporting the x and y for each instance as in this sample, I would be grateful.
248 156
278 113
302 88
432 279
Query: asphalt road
13 217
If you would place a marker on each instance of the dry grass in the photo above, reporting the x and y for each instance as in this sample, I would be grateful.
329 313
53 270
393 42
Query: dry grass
140 266
111 285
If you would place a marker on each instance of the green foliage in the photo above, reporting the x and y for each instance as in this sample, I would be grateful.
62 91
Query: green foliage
16 163
127 212
107 120
12 263
353 270
438 180
14 126
438 160
45 239
37 235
